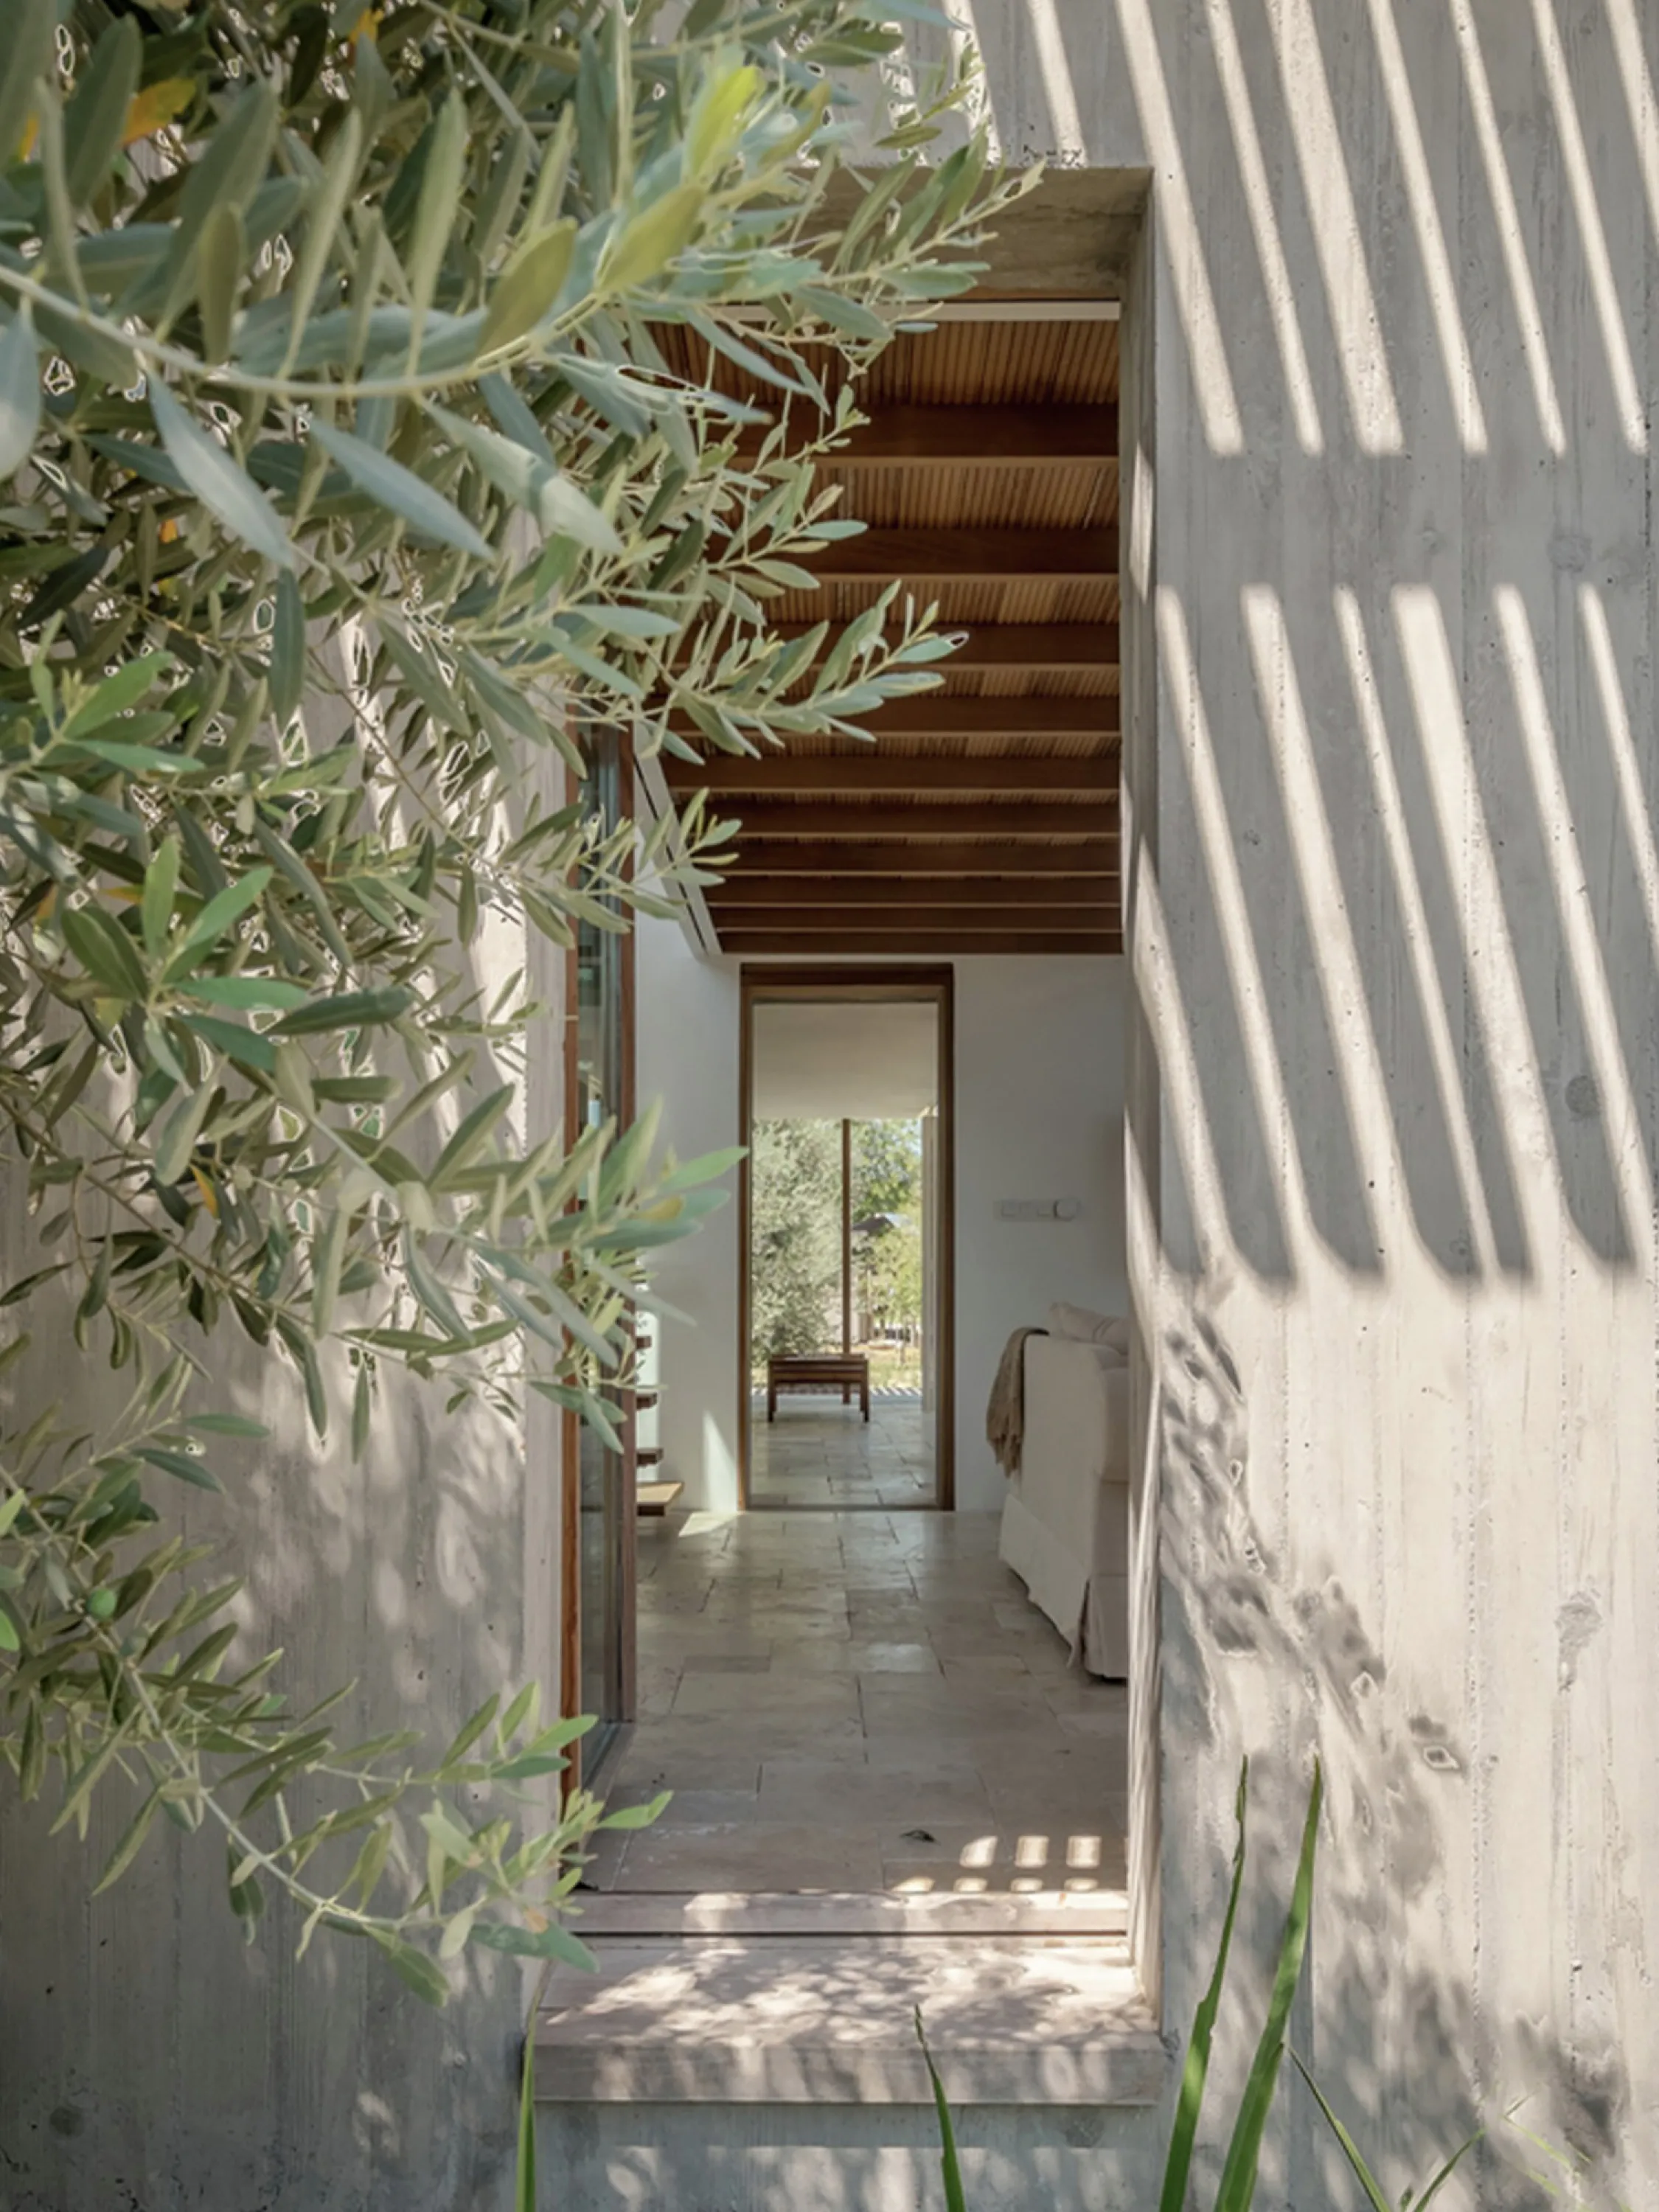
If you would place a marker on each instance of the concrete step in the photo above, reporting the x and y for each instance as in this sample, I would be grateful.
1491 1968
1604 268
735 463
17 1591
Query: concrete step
793 2018
901 1912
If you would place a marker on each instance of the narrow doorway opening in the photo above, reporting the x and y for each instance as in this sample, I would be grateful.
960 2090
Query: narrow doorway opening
848 1305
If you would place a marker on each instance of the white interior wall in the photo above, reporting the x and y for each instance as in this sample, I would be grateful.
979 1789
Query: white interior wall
1039 1054
839 1059
1039 1101
687 1057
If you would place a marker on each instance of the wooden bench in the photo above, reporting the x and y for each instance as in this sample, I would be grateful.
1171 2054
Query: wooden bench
845 1372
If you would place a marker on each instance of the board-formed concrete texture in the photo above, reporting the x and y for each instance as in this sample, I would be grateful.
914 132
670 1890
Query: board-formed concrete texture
149 2061
1394 919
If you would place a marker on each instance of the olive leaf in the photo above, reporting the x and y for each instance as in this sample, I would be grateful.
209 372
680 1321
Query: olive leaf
213 474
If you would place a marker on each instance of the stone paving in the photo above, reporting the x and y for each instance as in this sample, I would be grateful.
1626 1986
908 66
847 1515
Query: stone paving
859 1701
818 1452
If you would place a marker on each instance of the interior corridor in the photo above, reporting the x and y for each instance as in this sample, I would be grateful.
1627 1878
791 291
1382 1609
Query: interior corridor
861 1701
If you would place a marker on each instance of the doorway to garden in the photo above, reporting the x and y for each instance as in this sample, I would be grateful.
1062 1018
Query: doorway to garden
846 1291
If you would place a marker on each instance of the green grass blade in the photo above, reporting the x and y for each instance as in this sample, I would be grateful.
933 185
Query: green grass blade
524 2192
1447 2171
1571 2164
955 2201
1350 2149
1237 2188
524 2185
1184 2133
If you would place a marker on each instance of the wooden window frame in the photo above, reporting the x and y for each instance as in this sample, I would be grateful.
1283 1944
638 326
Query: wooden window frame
570 1576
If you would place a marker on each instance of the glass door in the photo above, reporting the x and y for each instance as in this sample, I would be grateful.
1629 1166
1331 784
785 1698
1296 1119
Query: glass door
601 1089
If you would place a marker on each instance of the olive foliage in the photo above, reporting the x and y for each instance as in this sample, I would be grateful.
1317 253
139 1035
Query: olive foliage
346 490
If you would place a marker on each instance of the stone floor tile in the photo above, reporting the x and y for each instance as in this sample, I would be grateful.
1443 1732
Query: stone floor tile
864 1695
854 1656
803 1705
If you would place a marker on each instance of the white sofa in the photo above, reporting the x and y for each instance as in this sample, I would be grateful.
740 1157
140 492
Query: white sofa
1065 1519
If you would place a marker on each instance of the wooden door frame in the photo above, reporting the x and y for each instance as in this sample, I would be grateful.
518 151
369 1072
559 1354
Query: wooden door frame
570 1564
761 980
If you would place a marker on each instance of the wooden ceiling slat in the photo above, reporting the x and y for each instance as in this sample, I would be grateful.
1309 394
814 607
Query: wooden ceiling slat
771 895
1019 435
1096 856
860 942
1086 775
1007 818
1014 648
971 556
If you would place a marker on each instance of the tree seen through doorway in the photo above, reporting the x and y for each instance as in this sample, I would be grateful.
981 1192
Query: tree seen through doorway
795 1274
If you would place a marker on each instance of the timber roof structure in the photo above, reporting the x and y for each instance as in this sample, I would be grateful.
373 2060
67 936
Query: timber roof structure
984 815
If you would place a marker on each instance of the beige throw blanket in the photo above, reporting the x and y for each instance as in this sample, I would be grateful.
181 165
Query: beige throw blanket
1004 1417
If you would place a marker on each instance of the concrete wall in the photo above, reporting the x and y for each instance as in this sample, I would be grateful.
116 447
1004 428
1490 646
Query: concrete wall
1394 923
1395 933
151 2061
1039 1057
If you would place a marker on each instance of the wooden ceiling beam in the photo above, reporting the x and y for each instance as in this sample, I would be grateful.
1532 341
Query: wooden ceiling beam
772 895
756 859
1006 818
965 921
1038 648
1085 774
1027 434
935 715
1011 648
973 556
853 941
